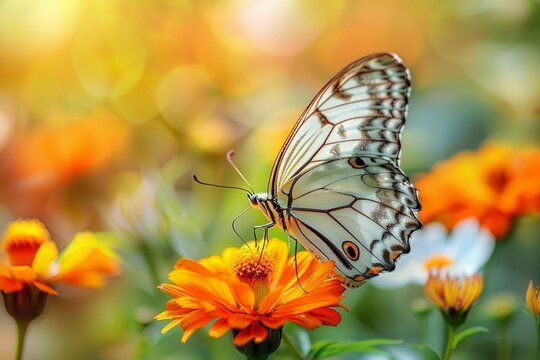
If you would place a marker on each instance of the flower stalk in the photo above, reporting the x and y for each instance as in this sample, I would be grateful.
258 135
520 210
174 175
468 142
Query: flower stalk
292 347
454 297
538 337
22 327
448 341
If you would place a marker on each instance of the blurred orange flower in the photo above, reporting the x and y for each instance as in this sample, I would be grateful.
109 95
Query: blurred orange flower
533 299
252 291
57 154
454 296
494 185
30 258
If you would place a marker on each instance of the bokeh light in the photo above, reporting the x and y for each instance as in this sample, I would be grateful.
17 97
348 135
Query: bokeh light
108 108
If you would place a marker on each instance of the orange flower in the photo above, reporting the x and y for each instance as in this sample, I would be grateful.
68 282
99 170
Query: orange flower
533 299
454 296
58 154
31 259
494 185
251 290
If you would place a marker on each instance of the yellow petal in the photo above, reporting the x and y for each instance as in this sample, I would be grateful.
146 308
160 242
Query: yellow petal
46 254
86 262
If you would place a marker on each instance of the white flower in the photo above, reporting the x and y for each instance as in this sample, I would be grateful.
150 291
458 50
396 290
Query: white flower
463 252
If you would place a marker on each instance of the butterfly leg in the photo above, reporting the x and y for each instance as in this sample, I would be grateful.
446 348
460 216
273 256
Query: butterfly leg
265 227
296 265
265 236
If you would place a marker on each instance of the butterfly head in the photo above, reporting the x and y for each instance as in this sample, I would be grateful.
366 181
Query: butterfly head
253 199
256 199
261 202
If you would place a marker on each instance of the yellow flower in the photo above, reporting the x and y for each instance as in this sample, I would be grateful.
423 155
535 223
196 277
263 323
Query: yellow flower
31 259
454 296
251 291
533 299
494 185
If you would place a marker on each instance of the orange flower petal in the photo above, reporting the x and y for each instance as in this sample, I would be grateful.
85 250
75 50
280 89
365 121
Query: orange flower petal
328 316
239 322
187 334
45 288
254 331
307 320
22 239
195 320
23 273
272 299
196 286
9 285
273 322
494 185
170 325
248 291
219 328
172 290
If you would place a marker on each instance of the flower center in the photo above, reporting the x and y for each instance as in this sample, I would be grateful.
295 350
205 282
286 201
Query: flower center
437 262
498 179
255 268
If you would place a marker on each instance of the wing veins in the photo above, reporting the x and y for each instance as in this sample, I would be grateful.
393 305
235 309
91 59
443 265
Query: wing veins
355 238
348 265
375 107
366 140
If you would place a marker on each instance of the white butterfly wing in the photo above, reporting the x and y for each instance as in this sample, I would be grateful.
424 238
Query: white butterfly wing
359 112
338 174
356 217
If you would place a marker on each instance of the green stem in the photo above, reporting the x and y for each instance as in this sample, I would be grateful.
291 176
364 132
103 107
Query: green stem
424 323
148 257
448 342
294 350
538 337
504 352
22 326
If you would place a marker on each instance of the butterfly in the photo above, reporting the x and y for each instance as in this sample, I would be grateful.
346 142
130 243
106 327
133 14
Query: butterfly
336 185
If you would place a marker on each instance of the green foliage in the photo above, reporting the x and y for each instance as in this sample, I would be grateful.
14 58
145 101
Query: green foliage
466 333
326 348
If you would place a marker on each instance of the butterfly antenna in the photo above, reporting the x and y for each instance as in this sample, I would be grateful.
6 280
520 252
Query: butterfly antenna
230 154
222 186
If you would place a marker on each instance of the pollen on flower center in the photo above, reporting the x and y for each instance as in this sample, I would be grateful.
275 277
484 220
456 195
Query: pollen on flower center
254 268
437 262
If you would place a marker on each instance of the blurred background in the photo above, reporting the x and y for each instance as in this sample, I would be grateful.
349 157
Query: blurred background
108 108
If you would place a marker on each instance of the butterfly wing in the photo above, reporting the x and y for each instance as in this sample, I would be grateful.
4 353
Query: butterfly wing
338 174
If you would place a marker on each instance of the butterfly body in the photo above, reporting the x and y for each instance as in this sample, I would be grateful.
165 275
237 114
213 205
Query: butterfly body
336 185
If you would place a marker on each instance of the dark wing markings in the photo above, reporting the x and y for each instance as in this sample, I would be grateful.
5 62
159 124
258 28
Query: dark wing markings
362 69
344 261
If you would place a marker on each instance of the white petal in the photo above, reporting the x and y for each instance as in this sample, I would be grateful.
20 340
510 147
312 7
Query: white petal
479 250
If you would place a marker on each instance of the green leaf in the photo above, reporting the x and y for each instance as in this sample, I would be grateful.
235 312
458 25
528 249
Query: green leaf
423 352
466 333
326 348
